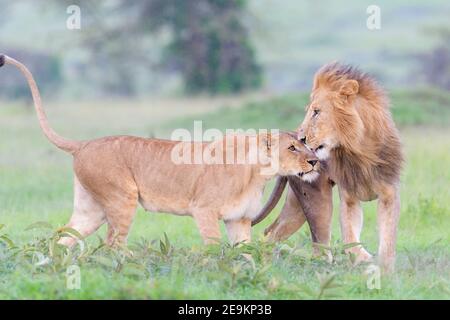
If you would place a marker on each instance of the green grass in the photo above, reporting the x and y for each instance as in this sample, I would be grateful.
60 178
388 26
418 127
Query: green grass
421 107
36 185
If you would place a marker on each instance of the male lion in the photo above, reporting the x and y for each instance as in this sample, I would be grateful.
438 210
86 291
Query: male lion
348 123
114 174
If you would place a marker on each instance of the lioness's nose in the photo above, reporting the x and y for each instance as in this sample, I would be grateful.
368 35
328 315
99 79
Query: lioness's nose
312 162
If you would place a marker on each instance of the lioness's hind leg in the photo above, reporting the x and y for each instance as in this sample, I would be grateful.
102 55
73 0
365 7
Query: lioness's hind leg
88 215
239 230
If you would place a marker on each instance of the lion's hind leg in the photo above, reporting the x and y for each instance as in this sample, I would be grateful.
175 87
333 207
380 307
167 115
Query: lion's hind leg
88 215
388 218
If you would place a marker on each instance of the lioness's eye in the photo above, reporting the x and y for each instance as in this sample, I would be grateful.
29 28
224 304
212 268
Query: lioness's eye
292 148
316 112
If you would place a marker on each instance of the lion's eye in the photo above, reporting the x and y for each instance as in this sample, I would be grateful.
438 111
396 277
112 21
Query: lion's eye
316 112
292 148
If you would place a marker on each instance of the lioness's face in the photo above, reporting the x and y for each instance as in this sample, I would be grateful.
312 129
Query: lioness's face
317 130
296 159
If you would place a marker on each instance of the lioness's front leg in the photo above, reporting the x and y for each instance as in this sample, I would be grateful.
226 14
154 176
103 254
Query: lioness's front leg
316 199
239 230
208 226
291 218
312 202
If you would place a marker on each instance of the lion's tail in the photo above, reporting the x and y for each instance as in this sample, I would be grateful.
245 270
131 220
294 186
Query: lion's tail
62 143
273 200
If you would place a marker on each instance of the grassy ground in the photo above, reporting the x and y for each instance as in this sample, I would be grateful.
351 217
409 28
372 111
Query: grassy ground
36 185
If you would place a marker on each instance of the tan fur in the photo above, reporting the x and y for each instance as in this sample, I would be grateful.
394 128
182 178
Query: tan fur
120 171
349 119
348 122
114 174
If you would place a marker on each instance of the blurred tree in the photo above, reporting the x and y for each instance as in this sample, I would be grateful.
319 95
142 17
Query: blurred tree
5 10
45 68
208 42
435 65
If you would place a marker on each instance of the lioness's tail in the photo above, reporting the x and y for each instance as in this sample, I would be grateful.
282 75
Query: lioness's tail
57 140
273 200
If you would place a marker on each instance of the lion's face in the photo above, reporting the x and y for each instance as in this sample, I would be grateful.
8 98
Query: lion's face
317 131
328 115
296 159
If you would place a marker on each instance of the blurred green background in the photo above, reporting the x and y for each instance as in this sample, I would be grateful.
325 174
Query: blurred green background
148 67
167 47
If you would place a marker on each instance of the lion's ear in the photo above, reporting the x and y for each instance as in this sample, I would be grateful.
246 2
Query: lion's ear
350 87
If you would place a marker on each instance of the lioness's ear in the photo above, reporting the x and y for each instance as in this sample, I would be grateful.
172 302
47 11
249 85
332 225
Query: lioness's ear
266 141
350 87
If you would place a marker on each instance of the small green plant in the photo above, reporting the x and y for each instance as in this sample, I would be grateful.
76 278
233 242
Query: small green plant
158 269
339 251
4 238
165 246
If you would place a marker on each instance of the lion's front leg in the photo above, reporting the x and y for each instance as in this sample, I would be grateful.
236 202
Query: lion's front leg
388 217
351 220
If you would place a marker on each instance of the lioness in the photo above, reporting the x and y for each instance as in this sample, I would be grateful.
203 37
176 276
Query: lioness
348 123
113 174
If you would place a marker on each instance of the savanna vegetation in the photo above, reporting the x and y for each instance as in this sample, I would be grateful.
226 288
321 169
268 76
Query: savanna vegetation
165 257
148 67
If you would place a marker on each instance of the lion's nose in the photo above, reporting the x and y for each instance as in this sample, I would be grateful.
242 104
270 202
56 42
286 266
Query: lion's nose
303 139
312 162
301 135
